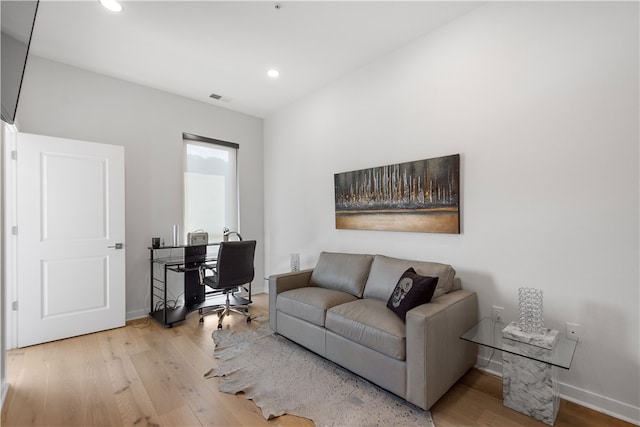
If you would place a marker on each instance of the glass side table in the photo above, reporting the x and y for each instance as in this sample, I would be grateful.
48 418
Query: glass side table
529 372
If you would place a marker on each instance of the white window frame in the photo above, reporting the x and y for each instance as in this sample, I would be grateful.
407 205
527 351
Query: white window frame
190 139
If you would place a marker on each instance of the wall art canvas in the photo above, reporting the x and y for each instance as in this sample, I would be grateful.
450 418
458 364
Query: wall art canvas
422 196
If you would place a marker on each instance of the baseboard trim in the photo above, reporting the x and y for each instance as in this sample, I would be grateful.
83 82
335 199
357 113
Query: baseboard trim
492 364
600 403
137 314
3 394
143 312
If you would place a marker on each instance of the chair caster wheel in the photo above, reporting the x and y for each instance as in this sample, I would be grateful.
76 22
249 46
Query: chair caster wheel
219 326
199 311
201 320
248 319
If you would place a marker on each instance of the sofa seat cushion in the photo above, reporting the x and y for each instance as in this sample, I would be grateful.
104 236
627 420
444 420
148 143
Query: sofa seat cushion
370 323
311 303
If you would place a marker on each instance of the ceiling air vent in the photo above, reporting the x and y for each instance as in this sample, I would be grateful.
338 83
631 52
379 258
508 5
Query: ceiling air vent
215 96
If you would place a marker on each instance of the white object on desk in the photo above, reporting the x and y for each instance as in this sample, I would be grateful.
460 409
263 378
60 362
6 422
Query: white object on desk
176 230
197 238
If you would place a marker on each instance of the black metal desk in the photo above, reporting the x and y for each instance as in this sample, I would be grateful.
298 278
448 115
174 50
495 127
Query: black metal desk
187 263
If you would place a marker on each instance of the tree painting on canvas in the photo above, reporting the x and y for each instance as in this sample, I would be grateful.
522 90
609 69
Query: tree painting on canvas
422 196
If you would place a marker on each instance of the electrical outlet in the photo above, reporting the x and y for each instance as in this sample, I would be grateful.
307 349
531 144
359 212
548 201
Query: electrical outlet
573 331
496 313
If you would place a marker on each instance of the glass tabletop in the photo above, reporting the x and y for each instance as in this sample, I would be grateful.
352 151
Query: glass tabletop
488 333
177 260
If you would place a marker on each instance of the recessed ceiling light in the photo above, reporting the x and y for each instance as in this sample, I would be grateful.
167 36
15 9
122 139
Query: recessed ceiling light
112 5
273 73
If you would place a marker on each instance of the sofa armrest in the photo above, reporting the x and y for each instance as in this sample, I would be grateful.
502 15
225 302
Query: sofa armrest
284 282
436 356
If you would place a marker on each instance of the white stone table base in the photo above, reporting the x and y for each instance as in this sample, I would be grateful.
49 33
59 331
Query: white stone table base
529 386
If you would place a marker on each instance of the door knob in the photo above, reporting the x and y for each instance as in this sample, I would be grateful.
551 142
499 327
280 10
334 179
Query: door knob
117 246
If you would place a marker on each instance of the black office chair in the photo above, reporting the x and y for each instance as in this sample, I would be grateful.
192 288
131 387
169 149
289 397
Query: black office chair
234 269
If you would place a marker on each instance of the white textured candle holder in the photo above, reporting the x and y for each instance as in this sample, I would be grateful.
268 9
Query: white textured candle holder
531 313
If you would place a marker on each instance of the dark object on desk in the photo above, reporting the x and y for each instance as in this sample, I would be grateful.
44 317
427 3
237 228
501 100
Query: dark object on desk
155 242
234 268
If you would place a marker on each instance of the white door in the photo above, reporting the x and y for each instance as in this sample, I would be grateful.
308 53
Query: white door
71 256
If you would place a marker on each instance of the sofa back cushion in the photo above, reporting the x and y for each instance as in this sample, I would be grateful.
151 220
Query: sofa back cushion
386 271
342 272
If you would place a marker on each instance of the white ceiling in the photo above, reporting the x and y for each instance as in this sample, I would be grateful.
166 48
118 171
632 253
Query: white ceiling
195 48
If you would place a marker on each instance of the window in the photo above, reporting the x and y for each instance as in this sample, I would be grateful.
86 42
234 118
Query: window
210 186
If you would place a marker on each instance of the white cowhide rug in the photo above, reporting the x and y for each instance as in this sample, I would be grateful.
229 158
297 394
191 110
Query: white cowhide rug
283 378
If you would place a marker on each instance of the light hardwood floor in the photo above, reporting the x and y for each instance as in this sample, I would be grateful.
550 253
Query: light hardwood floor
147 375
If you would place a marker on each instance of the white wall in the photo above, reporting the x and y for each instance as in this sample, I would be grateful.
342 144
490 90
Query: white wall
63 101
541 101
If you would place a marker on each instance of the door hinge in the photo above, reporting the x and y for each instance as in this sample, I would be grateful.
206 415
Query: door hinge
14 230
14 306
14 155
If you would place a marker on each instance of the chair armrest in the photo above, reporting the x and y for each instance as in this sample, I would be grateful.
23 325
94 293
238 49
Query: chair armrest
436 356
284 282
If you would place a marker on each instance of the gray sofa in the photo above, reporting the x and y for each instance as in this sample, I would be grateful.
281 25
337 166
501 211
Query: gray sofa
338 310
